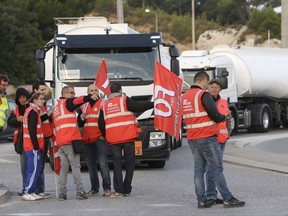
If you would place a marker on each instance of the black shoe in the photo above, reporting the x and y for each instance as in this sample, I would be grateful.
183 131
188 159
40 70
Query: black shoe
233 202
62 197
205 204
81 195
215 202
92 192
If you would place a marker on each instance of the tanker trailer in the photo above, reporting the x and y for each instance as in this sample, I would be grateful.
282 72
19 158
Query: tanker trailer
257 83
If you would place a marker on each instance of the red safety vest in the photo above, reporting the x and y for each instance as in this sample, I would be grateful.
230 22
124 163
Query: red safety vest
222 106
120 123
91 131
16 131
199 125
46 125
65 123
27 142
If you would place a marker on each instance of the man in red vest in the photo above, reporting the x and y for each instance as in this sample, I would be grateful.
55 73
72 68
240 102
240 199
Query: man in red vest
225 129
95 144
120 130
66 132
201 116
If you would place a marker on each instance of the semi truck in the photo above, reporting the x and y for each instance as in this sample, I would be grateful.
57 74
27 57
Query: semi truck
74 55
256 80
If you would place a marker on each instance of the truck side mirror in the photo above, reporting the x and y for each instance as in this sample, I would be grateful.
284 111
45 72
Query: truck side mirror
224 79
174 52
40 63
175 66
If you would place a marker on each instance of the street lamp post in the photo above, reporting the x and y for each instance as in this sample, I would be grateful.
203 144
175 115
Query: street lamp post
193 24
156 18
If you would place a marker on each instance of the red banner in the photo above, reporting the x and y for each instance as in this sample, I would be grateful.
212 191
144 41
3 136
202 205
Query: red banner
167 103
56 156
101 80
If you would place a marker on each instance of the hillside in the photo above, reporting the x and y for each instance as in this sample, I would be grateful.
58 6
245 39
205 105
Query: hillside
230 36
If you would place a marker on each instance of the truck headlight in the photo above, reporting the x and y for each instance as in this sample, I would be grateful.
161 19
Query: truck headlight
157 138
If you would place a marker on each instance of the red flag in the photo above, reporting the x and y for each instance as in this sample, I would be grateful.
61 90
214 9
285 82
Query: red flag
167 103
56 156
101 80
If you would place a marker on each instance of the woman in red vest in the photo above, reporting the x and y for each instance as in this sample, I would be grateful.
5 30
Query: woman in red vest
33 139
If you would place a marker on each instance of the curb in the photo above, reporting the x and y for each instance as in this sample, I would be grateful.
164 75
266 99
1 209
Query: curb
255 164
4 195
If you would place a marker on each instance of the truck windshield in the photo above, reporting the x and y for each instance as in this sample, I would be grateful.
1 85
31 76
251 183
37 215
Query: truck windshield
128 64
189 74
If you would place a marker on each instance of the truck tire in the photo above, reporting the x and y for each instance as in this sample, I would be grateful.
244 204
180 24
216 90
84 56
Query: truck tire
265 120
236 121
251 129
156 164
284 119
179 142
173 143
261 120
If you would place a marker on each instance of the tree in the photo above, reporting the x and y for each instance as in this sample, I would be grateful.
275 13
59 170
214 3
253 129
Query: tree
19 39
263 21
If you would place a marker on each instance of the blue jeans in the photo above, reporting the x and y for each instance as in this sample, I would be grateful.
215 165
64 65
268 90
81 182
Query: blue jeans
207 152
211 191
93 152
121 186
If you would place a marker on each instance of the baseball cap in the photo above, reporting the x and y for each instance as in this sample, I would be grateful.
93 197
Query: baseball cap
214 81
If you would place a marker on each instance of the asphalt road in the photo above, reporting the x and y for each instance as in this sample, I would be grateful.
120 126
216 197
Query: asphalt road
168 191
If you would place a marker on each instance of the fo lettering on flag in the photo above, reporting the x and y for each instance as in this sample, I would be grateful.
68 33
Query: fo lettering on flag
101 80
167 103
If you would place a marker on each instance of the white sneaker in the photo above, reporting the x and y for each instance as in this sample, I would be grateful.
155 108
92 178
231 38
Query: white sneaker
37 197
28 197
45 195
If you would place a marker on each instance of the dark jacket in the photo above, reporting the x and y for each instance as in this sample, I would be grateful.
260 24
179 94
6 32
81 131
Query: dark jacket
12 120
132 106
210 106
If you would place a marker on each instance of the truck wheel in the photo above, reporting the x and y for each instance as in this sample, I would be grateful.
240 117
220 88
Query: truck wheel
265 120
251 129
156 164
172 143
179 142
284 119
236 123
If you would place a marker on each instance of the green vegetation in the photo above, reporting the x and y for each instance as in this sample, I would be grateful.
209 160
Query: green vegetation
28 25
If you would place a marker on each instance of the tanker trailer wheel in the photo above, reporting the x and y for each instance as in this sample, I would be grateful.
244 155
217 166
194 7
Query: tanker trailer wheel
265 120
261 120
284 119
235 121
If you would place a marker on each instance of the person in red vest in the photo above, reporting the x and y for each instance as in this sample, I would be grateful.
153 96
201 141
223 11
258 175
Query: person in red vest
41 87
201 116
15 120
66 132
119 126
95 144
225 129
33 139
